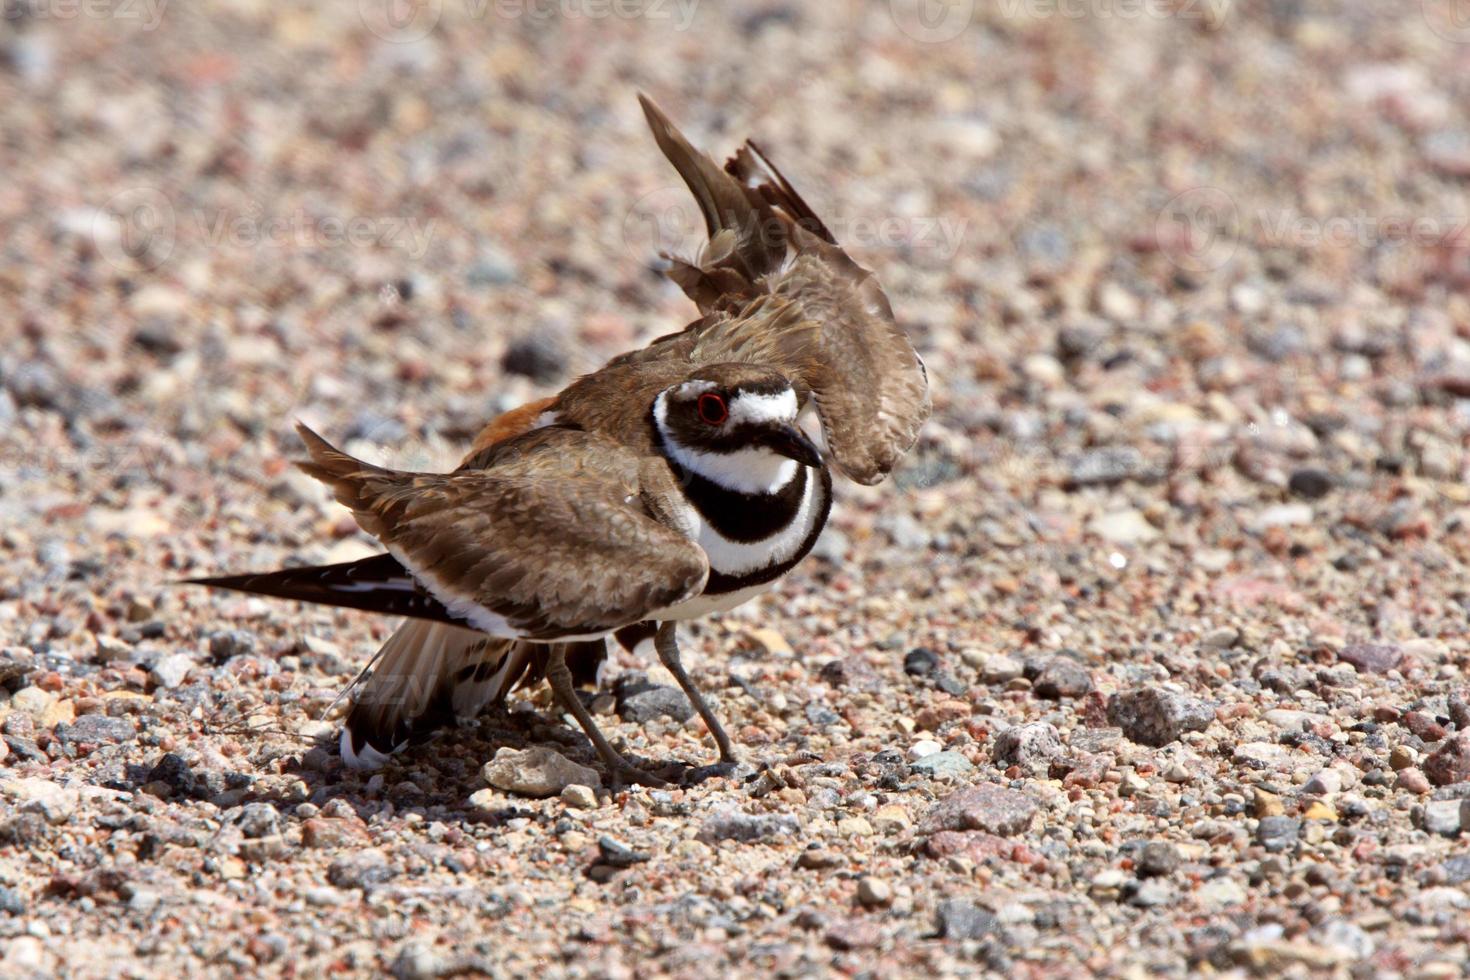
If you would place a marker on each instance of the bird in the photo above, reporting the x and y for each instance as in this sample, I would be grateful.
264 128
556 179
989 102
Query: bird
679 480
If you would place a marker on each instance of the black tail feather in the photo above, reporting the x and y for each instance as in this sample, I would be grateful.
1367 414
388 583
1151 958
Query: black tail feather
378 584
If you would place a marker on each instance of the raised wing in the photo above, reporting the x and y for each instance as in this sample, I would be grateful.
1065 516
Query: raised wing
549 536
775 288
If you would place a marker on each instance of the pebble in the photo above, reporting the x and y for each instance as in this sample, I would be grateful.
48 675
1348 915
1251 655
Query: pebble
580 796
999 669
1278 833
920 662
730 823
536 771
942 765
1156 859
1106 466
923 747
96 730
1310 484
1123 528
1154 716
1034 745
645 702
1412 780
960 918
1061 677
171 671
1324 782
1450 762
988 807
1446 817
874 892
1372 658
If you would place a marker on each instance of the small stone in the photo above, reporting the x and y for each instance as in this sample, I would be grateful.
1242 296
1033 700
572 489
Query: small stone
874 892
924 747
1446 817
1412 780
32 701
962 919
1402 757
1153 716
227 644
920 662
580 796
770 643
1152 894
1320 810
258 820
988 807
640 703
1450 762
942 765
537 771
999 669
328 832
616 854
1062 677
892 818
1220 638
360 869
1278 833
1264 804
1105 467
855 934
730 823
818 859
1156 859
541 356
1372 658
855 826
96 730
1123 527
171 671
1310 484
1033 745
1325 782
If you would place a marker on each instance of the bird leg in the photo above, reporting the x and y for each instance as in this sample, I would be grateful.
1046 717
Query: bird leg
619 769
667 645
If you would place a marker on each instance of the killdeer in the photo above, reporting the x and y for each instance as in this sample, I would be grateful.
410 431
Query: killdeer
678 480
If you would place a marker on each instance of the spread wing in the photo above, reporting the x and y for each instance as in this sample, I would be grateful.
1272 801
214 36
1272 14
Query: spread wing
549 535
775 288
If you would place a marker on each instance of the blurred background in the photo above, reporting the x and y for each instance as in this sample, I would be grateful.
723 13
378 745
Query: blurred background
1190 278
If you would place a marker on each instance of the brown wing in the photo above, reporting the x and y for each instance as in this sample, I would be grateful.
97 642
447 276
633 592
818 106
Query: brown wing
776 289
550 537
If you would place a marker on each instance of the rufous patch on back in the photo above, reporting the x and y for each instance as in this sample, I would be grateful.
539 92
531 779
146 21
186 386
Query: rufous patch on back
509 425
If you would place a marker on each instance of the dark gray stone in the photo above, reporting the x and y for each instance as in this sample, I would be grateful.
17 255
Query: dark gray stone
655 701
1278 833
96 730
1062 677
1153 716
962 919
732 824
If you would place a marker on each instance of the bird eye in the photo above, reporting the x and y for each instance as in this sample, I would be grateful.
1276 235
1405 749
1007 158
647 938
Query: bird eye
712 410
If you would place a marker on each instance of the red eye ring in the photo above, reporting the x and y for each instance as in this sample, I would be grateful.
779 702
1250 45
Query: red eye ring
712 410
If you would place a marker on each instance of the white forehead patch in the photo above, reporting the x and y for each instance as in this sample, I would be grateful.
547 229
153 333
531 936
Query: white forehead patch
780 407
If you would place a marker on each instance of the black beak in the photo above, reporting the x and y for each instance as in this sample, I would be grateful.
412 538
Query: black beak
791 442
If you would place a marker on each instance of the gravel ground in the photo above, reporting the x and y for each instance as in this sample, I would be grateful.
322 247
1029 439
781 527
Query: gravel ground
1149 662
